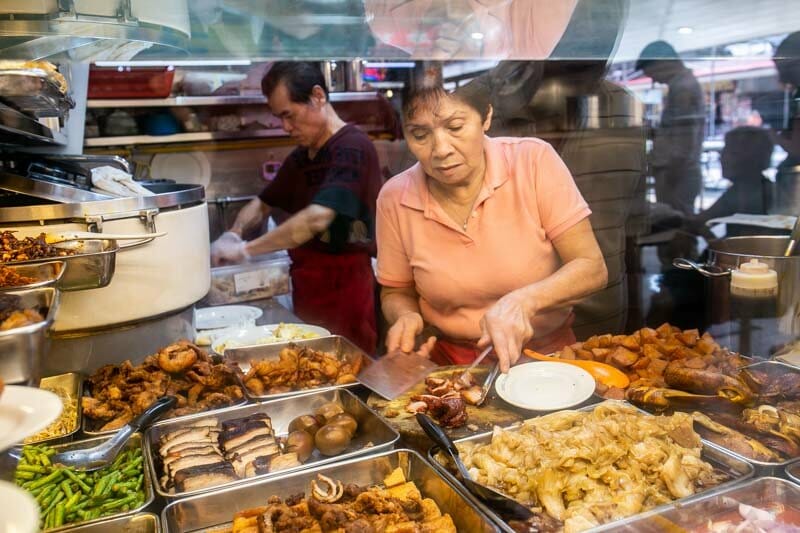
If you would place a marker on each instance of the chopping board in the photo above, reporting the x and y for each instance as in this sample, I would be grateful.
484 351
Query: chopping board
493 412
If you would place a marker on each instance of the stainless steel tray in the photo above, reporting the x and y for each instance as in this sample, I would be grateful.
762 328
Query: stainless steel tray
736 467
87 430
793 472
766 468
22 349
138 523
147 485
335 344
72 382
694 514
91 268
32 91
46 274
371 430
215 509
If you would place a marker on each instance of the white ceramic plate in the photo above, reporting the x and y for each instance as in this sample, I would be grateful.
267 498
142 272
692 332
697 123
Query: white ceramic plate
226 316
25 411
257 335
545 386
20 511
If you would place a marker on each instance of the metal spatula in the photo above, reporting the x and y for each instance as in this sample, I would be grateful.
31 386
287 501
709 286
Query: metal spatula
396 372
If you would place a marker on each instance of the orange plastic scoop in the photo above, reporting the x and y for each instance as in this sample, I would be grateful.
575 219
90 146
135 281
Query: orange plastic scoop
605 374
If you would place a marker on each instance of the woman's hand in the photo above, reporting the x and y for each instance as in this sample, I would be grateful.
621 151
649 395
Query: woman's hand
403 334
507 326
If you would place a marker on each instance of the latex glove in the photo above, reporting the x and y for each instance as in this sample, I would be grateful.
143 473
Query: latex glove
229 248
507 326
403 335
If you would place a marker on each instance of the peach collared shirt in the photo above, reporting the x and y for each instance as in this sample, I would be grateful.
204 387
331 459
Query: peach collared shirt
528 199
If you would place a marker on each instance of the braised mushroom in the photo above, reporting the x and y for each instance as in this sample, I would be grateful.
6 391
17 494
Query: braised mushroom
305 423
329 410
300 443
332 440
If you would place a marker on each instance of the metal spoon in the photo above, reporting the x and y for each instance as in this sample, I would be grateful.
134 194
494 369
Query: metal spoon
105 453
490 497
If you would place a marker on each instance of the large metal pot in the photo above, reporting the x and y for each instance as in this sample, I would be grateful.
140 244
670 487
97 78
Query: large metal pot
760 336
154 278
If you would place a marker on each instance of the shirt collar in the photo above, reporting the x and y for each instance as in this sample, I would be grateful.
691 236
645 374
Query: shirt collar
415 193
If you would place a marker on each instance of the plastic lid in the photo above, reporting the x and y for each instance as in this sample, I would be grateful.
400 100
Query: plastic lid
754 276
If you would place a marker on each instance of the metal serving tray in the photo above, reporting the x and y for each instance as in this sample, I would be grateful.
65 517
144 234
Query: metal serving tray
147 485
72 382
87 430
793 472
766 468
138 523
32 91
91 268
736 467
216 509
371 430
695 513
22 349
335 344
46 274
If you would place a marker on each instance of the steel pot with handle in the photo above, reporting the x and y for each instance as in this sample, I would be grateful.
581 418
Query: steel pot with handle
154 276
762 335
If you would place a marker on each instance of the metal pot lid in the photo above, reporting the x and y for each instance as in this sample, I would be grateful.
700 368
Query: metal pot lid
75 203
767 246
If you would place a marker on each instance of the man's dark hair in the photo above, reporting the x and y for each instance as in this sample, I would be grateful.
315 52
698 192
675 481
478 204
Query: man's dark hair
654 52
299 77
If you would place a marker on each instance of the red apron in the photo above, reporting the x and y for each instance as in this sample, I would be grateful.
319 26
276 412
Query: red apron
337 292
454 352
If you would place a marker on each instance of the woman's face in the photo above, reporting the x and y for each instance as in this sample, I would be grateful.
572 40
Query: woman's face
447 140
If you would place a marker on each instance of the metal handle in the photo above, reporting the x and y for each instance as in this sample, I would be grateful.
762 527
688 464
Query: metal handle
686 264
154 412
147 216
437 434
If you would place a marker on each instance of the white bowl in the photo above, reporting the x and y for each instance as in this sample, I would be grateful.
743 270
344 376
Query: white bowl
257 335
545 386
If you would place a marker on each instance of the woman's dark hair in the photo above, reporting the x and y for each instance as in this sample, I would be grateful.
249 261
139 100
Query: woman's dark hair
474 94
299 77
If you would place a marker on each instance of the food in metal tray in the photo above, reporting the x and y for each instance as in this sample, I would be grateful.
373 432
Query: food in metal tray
66 422
300 367
27 248
330 506
775 518
580 469
48 68
11 278
207 453
446 398
183 370
645 355
14 315
68 496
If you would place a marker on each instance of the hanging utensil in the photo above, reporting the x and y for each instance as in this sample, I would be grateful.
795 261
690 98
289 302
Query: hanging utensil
104 454
489 496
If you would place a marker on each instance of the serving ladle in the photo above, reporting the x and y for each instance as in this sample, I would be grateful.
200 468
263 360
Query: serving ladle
104 454
496 500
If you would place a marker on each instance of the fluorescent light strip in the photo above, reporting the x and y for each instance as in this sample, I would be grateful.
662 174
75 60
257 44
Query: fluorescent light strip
181 63
390 64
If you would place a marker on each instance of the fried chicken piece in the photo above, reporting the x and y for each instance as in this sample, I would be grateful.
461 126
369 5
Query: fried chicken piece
94 408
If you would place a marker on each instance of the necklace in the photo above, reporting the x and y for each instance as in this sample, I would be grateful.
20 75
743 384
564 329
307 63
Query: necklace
455 214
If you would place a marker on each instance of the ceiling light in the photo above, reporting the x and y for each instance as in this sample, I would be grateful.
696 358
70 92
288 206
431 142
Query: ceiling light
685 30
389 93
477 36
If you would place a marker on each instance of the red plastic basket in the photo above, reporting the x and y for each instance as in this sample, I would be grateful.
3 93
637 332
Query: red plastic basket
127 82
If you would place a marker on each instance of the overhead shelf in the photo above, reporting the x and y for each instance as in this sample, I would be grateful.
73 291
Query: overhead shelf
189 101
18 128
199 136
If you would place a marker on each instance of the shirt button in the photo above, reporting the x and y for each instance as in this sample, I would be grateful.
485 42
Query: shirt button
474 214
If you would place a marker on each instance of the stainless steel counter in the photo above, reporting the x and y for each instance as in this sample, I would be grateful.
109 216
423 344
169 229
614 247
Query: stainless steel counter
274 312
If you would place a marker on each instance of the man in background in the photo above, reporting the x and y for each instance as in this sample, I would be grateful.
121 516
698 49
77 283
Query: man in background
328 185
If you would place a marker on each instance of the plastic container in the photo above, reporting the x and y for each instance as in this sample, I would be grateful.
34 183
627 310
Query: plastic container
263 277
130 83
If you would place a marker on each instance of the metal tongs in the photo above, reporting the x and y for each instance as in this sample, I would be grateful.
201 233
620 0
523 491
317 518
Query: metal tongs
496 500
487 384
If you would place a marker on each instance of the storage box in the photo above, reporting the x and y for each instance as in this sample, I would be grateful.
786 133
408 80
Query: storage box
263 277
127 82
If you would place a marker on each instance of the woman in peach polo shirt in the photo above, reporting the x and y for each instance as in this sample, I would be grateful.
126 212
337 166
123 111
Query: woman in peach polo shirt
486 240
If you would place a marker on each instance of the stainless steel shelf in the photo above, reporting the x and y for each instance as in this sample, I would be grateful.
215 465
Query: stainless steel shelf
182 137
213 100
18 128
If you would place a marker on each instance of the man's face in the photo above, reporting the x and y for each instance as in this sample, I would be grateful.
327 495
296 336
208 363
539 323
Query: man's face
304 122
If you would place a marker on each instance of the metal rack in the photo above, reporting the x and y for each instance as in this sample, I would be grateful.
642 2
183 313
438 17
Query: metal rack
188 101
